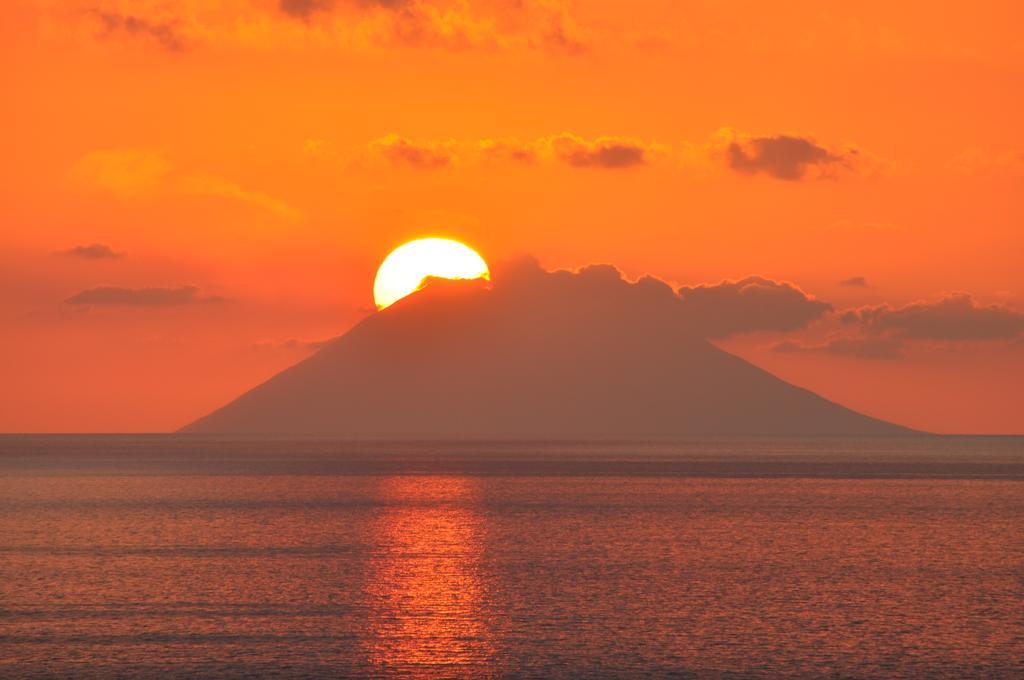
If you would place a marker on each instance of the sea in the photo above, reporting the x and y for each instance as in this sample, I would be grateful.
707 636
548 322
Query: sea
172 556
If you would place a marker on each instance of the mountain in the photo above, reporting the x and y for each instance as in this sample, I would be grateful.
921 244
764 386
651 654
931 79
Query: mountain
539 354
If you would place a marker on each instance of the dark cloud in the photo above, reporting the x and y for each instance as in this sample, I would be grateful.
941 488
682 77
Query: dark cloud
421 155
94 251
855 282
603 152
718 310
748 305
864 348
954 317
304 9
783 157
141 297
164 33
709 311
886 330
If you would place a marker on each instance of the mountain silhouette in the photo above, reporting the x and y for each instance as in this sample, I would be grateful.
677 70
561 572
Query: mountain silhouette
538 354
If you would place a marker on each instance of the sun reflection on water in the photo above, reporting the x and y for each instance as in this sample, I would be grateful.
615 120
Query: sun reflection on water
424 587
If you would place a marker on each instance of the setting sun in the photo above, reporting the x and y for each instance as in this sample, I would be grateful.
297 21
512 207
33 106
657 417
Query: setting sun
404 270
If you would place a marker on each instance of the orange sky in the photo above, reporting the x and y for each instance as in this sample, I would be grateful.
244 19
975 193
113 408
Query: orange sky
258 158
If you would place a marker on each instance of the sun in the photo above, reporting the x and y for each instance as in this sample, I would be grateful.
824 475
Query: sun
407 266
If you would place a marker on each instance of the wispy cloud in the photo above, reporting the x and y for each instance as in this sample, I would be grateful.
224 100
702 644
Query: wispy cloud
202 184
163 33
126 172
859 347
147 172
547 26
293 345
141 297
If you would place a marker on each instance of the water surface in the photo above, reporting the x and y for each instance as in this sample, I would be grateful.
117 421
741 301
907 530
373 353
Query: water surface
698 558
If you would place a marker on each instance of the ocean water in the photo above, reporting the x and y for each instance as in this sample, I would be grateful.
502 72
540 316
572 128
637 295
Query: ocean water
703 558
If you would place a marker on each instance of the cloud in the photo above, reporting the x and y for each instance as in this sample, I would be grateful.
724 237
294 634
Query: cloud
202 184
546 26
146 172
602 152
863 348
304 9
709 311
163 33
885 331
95 251
537 25
606 152
589 289
956 316
559 31
293 345
748 305
416 154
855 282
126 172
785 157
141 297
510 149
